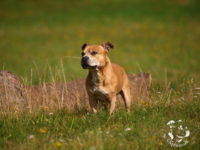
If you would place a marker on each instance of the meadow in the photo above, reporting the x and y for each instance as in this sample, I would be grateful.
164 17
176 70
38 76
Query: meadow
40 40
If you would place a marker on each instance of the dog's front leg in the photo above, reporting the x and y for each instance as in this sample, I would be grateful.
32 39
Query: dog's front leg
112 104
93 103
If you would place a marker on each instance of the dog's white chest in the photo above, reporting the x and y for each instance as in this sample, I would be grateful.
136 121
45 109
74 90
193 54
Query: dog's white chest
99 92
98 89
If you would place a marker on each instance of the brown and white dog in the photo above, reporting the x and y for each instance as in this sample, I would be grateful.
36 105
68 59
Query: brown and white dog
105 80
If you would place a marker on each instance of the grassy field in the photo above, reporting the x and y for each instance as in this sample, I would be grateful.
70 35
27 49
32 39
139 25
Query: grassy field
38 39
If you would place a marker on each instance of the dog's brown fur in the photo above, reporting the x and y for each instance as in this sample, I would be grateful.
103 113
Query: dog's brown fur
105 80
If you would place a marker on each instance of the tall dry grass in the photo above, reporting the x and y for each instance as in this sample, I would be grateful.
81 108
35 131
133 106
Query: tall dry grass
18 96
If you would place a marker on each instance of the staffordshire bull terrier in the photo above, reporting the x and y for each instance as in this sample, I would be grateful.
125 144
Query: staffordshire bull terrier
105 80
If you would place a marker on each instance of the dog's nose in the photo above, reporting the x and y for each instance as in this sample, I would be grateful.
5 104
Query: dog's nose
84 61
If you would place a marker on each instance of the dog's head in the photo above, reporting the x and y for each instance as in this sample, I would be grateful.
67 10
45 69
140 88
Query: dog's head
95 56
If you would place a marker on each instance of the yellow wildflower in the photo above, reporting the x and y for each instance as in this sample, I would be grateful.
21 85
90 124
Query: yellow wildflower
57 144
43 130
160 143
45 108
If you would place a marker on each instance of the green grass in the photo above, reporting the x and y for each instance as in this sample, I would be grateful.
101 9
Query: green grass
99 131
160 37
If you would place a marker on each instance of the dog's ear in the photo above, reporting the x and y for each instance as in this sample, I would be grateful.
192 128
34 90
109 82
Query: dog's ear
107 45
84 46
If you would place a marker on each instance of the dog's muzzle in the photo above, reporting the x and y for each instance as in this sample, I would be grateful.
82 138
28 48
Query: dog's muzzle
84 62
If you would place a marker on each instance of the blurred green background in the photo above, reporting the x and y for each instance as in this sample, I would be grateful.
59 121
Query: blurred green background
157 36
40 41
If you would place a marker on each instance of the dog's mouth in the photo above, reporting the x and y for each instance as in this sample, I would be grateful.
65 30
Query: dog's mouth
84 65
87 66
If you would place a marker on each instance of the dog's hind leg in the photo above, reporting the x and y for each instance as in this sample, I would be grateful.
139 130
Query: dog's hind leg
125 93
112 104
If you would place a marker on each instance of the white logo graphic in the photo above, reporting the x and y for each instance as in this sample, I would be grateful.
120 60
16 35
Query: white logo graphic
178 134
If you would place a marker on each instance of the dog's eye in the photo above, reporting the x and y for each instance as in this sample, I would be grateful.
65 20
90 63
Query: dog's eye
93 53
82 53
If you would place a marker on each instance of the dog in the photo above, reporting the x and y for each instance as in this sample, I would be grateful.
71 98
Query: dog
104 80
